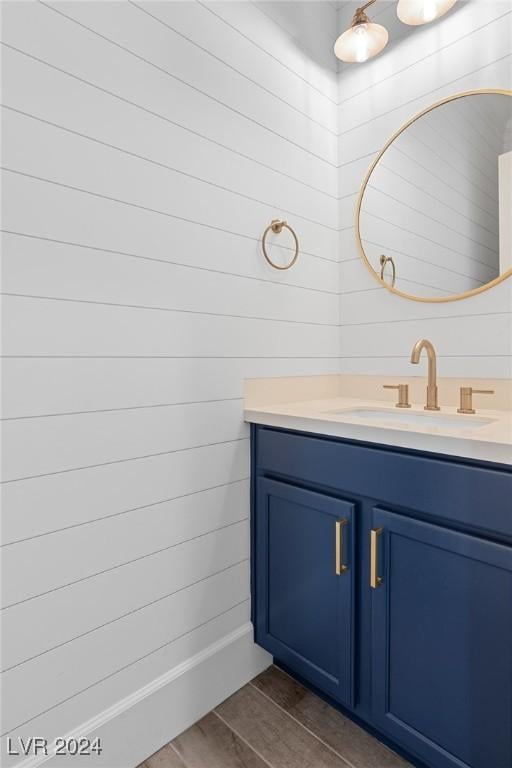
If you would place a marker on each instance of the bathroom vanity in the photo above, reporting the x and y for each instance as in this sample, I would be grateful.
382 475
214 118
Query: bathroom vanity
382 573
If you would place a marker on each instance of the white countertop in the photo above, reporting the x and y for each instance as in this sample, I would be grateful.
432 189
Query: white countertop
489 442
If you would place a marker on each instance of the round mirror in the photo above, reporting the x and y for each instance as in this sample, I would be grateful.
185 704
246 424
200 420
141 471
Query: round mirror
434 215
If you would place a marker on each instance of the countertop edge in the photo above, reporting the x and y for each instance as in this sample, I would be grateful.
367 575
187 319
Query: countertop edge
496 453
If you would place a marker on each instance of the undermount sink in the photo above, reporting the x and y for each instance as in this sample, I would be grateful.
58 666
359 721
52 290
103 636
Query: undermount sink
408 418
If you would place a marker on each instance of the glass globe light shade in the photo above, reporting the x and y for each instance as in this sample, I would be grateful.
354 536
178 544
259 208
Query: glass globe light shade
415 12
361 42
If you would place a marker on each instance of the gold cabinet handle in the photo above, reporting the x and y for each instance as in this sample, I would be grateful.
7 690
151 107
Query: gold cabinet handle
340 567
375 579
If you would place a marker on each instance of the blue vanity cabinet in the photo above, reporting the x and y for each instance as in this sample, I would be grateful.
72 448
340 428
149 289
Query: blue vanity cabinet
305 583
415 637
442 643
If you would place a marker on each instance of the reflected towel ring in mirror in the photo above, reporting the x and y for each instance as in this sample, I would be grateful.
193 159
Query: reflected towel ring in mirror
387 260
277 226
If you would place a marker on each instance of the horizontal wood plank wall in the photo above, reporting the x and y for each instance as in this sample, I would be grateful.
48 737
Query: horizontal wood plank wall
145 148
471 47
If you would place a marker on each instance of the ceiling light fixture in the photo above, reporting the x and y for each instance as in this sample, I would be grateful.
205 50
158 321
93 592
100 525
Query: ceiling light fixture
415 12
363 40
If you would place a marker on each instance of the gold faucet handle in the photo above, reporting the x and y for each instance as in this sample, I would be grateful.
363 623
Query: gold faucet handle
403 394
466 398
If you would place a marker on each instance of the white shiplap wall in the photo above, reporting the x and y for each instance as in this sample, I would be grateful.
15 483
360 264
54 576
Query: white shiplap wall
468 48
146 146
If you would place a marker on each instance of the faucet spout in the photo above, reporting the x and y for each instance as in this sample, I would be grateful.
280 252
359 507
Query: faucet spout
425 344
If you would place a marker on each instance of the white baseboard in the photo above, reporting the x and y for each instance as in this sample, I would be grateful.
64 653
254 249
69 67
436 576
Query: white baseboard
140 724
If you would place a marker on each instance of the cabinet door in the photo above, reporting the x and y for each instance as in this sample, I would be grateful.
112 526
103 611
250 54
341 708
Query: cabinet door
442 643
304 586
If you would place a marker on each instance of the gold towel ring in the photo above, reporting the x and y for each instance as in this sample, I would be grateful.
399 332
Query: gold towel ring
383 261
277 226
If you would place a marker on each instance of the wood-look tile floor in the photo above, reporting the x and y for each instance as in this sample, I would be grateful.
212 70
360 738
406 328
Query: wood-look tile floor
274 722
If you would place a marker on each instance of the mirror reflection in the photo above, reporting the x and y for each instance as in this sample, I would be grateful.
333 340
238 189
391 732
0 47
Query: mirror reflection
435 217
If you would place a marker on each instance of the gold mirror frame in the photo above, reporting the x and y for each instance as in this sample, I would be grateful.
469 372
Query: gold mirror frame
362 253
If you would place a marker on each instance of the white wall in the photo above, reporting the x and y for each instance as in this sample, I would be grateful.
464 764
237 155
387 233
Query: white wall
147 146
468 48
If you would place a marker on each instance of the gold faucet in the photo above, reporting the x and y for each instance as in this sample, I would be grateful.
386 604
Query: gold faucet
432 371
466 398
